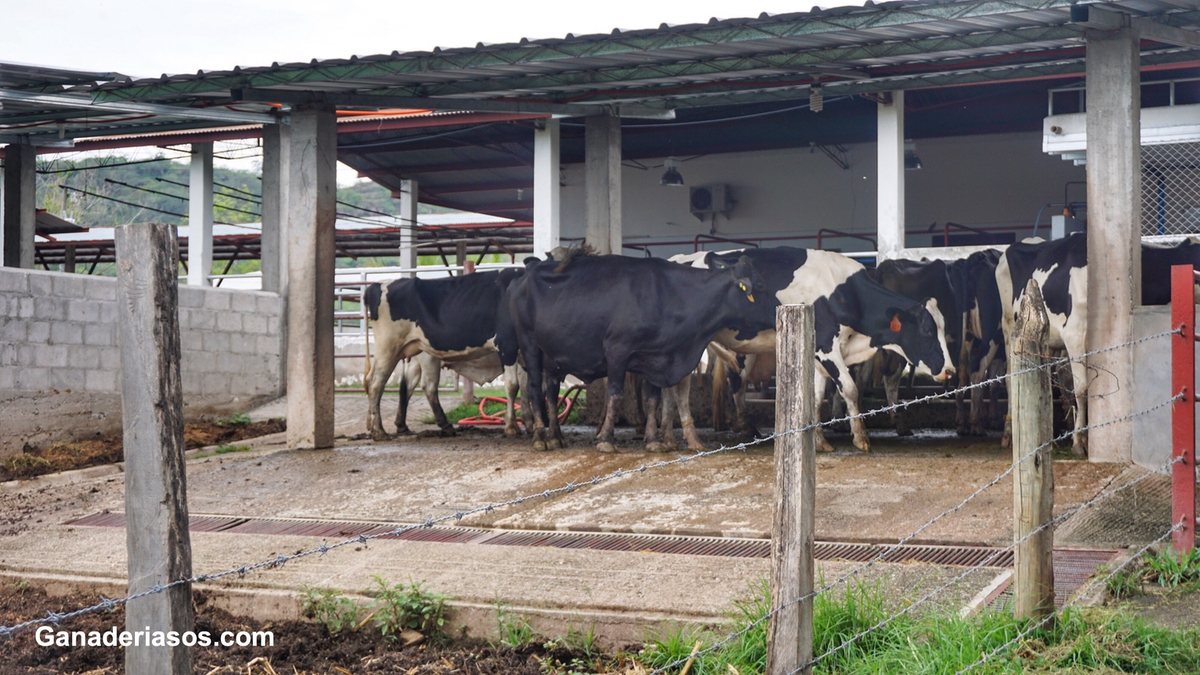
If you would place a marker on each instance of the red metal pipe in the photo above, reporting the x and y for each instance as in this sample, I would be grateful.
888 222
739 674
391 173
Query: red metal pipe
1183 411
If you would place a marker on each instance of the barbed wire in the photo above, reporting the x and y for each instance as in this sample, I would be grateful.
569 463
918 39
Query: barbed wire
894 547
985 563
1078 594
110 603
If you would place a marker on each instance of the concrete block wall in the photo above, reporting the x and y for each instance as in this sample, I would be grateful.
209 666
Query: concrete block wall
60 363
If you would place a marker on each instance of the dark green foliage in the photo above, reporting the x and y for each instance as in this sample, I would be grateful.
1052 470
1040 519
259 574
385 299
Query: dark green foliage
401 606
329 608
1171 569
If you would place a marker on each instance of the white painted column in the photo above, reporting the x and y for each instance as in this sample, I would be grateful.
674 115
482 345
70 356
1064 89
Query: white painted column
1114 184
546 210
890 148
602 182
200 215
20 205
311 218
276 142
409 194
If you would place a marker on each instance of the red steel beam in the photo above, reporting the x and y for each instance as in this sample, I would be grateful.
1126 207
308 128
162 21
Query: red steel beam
1183 411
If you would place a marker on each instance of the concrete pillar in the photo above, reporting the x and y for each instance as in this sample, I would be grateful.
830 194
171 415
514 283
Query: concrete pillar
1114 232
311 215
276 138
409 193
890 148
602 182
20 205
69 259
200 215
546 225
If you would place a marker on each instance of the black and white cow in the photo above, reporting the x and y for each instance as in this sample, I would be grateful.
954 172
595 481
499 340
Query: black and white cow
454 320
920 281
855 317
1060 269
605 316
982 355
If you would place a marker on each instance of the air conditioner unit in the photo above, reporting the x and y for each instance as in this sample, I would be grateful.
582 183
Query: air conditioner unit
706 200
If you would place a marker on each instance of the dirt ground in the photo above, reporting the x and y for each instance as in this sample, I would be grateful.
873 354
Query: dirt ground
300 647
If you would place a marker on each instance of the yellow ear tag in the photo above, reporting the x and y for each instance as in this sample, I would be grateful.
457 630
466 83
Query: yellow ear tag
751 296
742 286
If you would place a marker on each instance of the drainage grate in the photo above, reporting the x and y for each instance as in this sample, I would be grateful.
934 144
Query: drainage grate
1072 568
1079 563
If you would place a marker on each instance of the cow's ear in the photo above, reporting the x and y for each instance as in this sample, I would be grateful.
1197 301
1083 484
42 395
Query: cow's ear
896 325
716 263
744 269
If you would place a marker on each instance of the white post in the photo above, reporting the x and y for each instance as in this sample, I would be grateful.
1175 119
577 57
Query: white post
1114 275
602 182
546 228
200 215
20 205
409 192
890 146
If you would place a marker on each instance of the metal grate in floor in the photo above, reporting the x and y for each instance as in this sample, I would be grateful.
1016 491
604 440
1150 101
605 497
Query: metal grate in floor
1072 566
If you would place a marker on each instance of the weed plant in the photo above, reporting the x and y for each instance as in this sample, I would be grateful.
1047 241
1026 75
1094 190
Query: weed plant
407 606
329 608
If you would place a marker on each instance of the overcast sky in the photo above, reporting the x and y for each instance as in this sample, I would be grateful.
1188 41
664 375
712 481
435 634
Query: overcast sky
150 37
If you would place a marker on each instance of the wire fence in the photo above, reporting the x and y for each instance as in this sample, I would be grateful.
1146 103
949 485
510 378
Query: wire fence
324 548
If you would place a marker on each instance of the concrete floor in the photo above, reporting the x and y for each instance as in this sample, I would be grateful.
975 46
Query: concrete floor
879 496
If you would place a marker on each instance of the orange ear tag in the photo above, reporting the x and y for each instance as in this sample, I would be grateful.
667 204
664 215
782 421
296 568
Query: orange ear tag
895 323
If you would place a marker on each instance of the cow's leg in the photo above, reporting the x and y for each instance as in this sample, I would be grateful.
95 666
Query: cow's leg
669 406
431 378
605 436
653 400
858 428
555 439
386 358
995 410
976 428
821 381
683 395
535 398
410 379
512 384
1079 376
743 425
962 409
891 387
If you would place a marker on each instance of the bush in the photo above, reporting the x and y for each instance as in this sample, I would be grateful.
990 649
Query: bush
329 608
401 606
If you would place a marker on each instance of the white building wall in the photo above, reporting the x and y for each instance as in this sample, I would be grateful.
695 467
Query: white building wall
990 180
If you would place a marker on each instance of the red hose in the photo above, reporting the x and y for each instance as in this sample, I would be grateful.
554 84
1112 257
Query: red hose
566 403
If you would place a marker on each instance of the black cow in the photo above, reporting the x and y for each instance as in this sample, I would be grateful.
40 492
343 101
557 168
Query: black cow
855 317
1157 261
605 316
453 319
921 281
982 354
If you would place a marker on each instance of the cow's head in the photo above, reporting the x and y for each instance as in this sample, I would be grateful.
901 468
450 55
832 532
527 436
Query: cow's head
755 307
918 334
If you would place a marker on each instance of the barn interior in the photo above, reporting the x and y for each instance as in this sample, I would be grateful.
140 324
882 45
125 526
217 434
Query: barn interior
910 129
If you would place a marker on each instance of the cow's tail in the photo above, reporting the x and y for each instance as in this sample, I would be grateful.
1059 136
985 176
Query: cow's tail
371 297
573 253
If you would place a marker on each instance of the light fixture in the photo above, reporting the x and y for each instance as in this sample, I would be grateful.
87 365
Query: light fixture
671 176
911 161
816 99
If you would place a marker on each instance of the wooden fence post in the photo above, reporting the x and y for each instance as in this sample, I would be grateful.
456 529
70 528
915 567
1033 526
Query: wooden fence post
156 531
1033 484
790 640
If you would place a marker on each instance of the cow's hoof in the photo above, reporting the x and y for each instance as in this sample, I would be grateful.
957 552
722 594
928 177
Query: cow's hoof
825 447
539 446
696 448
380 436
655 446
555 444
905 431
963 431
1079 450
978 431
512 431
448 431
403 431
605 446
862 444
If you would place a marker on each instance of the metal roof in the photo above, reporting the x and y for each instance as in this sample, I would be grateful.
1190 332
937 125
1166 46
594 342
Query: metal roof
876 47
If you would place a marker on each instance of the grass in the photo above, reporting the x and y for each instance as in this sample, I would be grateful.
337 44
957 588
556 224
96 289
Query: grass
513 631
1081 641
329 608
223 450
234 420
